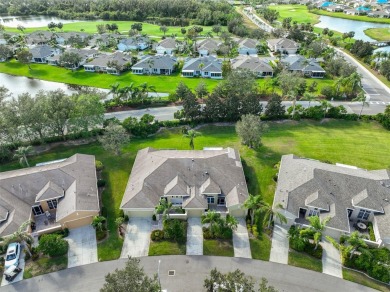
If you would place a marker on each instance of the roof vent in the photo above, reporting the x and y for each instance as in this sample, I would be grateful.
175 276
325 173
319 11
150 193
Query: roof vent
206 172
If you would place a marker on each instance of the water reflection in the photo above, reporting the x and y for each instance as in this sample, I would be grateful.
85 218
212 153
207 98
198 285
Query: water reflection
31 21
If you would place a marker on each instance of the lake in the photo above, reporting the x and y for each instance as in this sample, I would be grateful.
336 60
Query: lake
32 21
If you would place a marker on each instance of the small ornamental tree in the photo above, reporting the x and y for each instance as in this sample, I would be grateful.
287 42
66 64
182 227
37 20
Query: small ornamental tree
250 129
53 245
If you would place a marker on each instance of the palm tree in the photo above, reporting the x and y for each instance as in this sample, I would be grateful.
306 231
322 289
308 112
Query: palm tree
356 243
98 223
22 153
293 97
164 208
114 90
21 235
213 218
325 105
361 98
316 228
192 134
144 89
150 63
309 97
271 213
254 205
231 222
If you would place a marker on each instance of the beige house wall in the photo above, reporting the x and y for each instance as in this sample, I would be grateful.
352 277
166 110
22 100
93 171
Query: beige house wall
78 219
194 212
44 206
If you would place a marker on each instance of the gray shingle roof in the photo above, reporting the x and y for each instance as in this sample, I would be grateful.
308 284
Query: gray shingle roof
304 182
210 63
254 64
50 191
41 51
159 172
19 189
102 59
158 62
300 63
134 41
284 43
168 43
247 43
210 45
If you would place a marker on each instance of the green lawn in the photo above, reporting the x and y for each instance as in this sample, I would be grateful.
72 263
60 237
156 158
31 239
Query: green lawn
304 261
166 248
123 27
260 248
45 265
355 143
218 247
379 34
351 17
364 280
298 13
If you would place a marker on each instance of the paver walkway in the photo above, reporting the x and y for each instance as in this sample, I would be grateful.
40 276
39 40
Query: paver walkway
137 237
82 246
194 236
331 260
241 244
279 248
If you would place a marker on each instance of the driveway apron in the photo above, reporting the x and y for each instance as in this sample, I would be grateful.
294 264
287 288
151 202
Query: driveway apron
194 237
82 246
137 237
241 244
280 246
331 261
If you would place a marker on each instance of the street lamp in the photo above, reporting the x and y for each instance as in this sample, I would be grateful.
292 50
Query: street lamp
158 274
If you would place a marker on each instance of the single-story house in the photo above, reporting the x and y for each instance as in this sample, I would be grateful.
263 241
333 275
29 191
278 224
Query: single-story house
254 64
62 38
379 14
85 55
346 194
207 67
357 11
337 8
159 65
109 63
283 45
166 47
195 180
104 39
134 43
60 194
247 46
207 46
9 55
39 37
41 52
308 67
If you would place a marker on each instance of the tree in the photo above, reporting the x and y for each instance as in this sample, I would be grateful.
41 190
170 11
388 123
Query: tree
137 26
385 69
191 108
131 276
5 53
254 204
24 56
309 97
60 25
21 28
271 213
274 108
201 90
98 223
53 245
315 229
192 134
183 31
114 137
21 235
213 218
216 29
356 243
22 153
52 26
231 222
164 208
250 129
270 15
361 98
164 29
70 60
101 28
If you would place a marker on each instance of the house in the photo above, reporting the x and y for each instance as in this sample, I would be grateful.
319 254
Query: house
40 53
347 195
39 37
159 65
60 194
379 14
104 40
207 67
254 64
109 63
207 46
85 55
357 11
283 45
139 43
195 180
167 46
9 55
308 67
62 38
337 8
247 46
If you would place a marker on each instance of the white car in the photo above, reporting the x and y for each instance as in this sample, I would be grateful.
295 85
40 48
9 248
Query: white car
13 255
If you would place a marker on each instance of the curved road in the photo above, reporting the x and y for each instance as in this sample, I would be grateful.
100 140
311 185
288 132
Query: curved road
190 272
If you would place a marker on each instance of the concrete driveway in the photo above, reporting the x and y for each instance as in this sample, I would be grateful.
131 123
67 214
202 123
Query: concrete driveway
241 244
280 245
331 260
194 236
19 277
82 246
137 237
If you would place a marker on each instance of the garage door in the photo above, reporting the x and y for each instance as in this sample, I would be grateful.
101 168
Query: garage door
79 222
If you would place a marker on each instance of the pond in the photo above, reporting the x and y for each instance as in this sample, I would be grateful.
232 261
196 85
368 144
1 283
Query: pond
31 21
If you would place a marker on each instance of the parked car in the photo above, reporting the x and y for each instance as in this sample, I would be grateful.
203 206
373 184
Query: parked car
11 273
13 255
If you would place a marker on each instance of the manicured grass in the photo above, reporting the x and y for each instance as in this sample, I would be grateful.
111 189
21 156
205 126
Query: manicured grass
364 280
123 27
304 261
166 248
45 265
260 248
217 247
356 143
379 34
351 17
298 13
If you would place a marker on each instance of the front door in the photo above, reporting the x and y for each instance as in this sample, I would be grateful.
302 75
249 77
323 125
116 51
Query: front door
37 210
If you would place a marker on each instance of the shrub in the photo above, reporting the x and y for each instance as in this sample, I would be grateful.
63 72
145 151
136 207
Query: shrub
126 218
154 218
175 229
226 233
371 231
3 248
309 249
101 183
53 245
207 233
99 165
157 235
98 223
101 234
254 231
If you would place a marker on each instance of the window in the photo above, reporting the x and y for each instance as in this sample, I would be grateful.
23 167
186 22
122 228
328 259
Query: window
364 214
313 212
37 210
210 200
52 204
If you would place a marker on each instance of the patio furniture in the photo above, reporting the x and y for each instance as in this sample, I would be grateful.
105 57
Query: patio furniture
48 215
361 226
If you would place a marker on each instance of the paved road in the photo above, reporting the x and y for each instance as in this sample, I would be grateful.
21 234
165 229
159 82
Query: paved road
190 272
